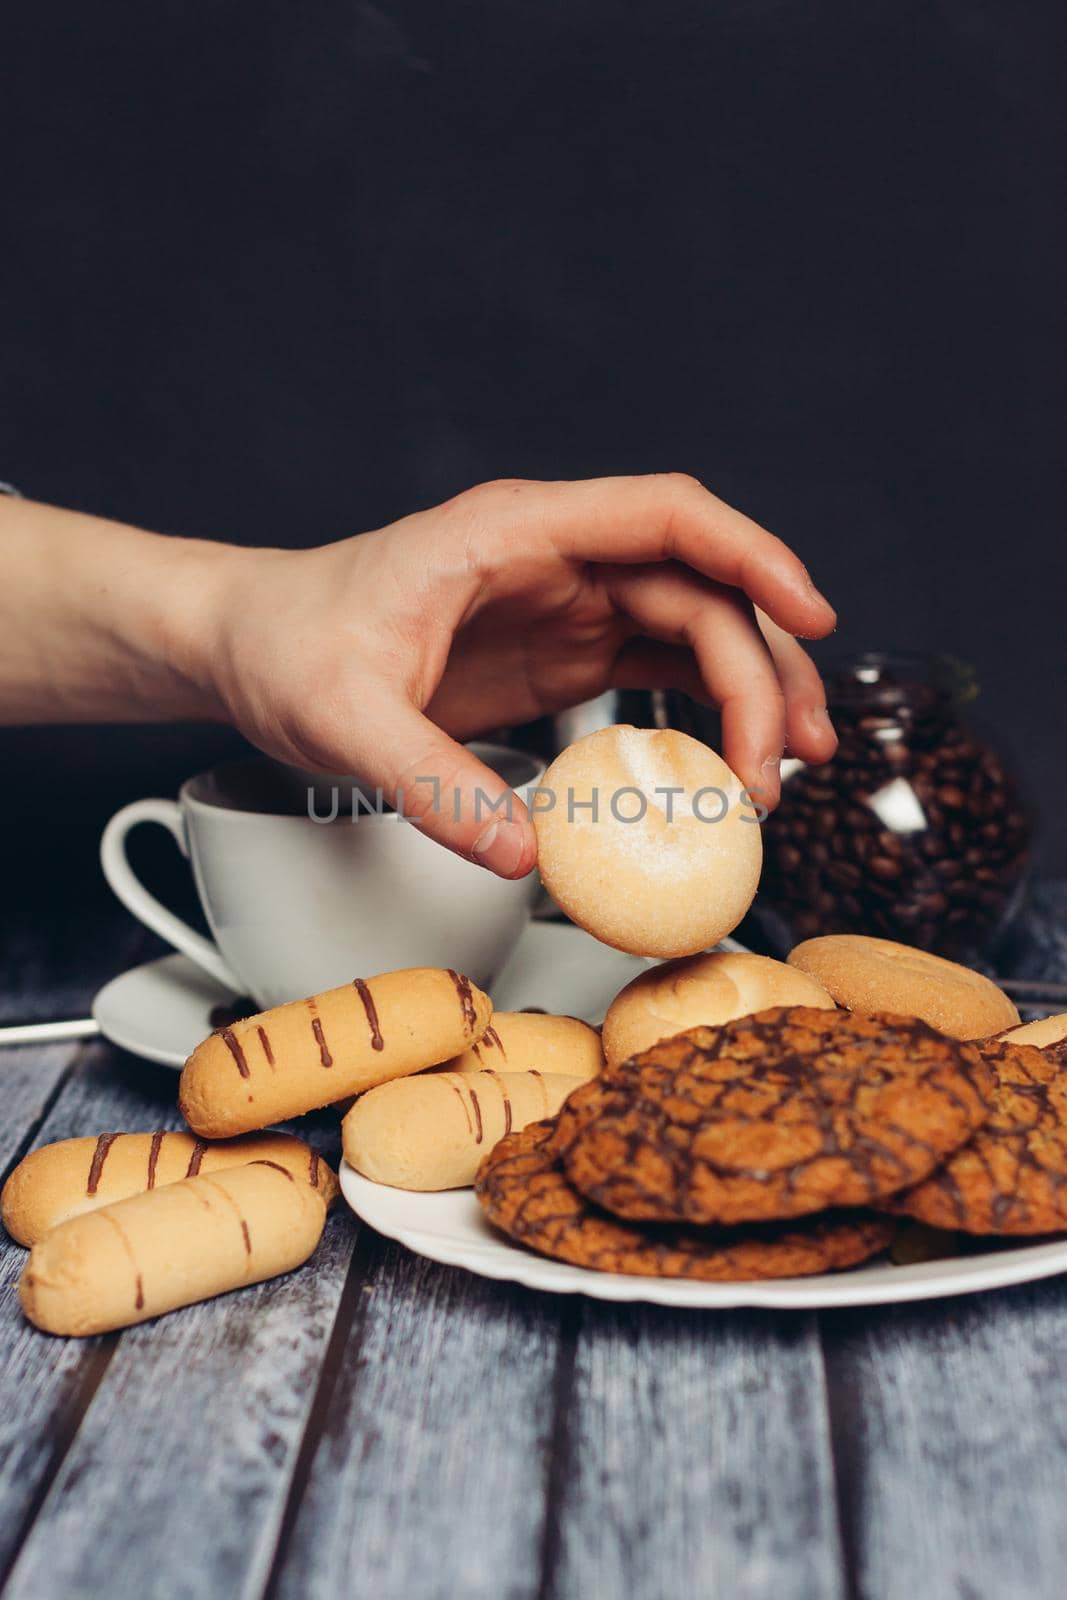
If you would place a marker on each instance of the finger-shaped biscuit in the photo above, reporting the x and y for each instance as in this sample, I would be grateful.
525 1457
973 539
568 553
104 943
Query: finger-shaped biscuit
311 1053
169 1247
521 1041
432 1132
65 1179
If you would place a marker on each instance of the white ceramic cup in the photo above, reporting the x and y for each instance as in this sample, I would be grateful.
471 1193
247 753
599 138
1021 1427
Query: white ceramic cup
297 905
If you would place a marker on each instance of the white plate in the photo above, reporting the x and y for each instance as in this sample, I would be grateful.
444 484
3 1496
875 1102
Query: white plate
163 1009
452 1228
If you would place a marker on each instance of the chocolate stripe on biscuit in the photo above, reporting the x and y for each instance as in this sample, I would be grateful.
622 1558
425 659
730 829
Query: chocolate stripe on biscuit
466 999
153 1157
265 1161
476 1108
456 1090
195 1158
232 1044
320 1038
128 1247
96 1166
376 1040
505 1097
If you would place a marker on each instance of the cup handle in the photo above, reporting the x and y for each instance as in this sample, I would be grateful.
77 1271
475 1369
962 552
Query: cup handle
145 907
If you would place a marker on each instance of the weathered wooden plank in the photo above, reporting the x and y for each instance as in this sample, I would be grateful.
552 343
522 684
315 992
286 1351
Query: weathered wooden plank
177 1479
951 1440
30 1076
428 1479
181 1462
697 1460
46 1383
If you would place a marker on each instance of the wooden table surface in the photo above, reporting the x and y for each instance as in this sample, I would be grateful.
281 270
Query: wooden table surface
376 1425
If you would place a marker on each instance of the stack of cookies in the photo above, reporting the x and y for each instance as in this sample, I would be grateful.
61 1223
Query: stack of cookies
784 1144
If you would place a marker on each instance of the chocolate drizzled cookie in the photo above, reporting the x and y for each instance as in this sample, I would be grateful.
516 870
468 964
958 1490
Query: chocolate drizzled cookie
778 1115
1012 1175
525 1192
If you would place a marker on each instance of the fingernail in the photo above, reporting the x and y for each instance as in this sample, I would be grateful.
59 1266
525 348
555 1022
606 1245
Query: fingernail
813 590
501 848
816 594
770 778
819 718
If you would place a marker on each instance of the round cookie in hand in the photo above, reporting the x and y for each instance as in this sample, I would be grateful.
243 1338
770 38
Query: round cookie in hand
650 842
868 975
773 1116
525 1193
1011 1177
702 991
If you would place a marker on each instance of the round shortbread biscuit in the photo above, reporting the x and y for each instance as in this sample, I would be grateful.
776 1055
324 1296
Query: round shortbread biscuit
873 975
702 991
1043 1034
524 1041
648 841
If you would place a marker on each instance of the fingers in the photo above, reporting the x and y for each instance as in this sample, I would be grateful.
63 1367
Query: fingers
647 664
736 667
665 516
432 781
809 732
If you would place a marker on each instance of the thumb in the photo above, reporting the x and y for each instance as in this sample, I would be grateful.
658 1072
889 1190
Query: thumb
445 790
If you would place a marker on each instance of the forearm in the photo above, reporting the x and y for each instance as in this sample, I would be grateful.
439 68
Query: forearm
103 622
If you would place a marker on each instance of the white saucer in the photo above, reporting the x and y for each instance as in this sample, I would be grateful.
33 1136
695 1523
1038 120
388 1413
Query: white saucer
452 1228
162 1010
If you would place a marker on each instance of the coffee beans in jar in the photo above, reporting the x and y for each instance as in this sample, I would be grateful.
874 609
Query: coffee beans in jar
915 831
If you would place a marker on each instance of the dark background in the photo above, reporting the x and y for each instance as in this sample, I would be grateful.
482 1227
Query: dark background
277 273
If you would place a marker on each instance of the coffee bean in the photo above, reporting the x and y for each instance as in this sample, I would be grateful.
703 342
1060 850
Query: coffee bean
831 865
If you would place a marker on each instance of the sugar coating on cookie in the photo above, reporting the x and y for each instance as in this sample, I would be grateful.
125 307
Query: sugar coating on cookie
647 840
702 991
867 975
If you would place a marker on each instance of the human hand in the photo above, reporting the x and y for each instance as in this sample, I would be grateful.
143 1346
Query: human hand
514 600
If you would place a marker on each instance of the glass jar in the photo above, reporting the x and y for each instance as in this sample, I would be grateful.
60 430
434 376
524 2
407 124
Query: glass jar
915 831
